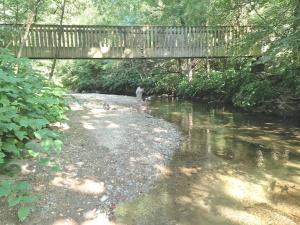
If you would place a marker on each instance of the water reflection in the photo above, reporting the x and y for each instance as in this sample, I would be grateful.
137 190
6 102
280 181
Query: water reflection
232 168
257 140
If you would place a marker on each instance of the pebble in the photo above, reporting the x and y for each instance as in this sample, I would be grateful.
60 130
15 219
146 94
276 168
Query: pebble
104 198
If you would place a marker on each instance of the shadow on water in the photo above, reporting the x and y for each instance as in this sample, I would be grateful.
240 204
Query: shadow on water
232 168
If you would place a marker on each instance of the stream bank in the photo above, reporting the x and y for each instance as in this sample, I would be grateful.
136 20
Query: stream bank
112 153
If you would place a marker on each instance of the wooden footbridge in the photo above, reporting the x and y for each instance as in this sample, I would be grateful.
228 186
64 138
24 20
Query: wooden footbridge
117 42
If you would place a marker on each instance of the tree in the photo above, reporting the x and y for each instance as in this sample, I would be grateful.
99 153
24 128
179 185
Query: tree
62 8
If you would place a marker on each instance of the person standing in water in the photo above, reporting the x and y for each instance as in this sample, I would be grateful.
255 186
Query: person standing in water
139 93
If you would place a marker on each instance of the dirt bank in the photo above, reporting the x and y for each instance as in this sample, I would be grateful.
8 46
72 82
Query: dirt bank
112 153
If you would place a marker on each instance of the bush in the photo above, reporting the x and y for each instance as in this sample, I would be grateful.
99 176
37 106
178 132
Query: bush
28 105
211 83
82 75
166 83
254 94
121 79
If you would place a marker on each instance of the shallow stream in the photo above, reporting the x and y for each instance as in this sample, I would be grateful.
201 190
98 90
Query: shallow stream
232 168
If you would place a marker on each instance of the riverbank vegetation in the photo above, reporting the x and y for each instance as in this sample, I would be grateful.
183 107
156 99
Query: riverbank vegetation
29 105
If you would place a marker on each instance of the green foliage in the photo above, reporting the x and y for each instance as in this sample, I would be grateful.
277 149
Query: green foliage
82 75
28 105
23 213
165 83
122 79
119 78
254 94
18 195
208 83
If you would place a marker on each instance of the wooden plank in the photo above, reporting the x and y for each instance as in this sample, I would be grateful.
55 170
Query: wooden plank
87 37
37 37
79 37
45 37
30 39
42 36
185 43
67 36
198 45
63 37
194 41
83 37
72 35
93 37
54 37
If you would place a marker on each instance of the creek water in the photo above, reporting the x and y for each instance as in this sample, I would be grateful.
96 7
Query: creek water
231 168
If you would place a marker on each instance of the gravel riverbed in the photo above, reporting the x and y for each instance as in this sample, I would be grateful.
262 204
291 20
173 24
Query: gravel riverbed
112 153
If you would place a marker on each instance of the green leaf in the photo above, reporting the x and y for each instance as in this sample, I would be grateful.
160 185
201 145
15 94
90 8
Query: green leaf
31 145
10 147
5 188
29 199
4 192
23 213
33 123
44 161
13 200
22 186
2 156
45 133
50 145
33 153
38 123
56 168
21 135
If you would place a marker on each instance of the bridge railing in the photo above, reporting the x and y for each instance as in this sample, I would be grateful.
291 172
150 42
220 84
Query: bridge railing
88 41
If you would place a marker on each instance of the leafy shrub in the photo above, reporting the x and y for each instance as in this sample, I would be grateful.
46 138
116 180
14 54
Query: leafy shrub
166 83
208 83
121 80
28 105
82 75
291 82
254 94
233 81
203 84
185 88
18 195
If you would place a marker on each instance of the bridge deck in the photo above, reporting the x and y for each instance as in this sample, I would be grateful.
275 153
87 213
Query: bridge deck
109 42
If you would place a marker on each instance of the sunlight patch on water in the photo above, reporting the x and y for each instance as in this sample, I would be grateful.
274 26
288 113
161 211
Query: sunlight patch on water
243 190
239 216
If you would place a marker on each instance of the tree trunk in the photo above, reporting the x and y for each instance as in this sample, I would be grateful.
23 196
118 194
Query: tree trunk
63 5
297 17
4 11
296 25
179 65
189 70
28 25
207 63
